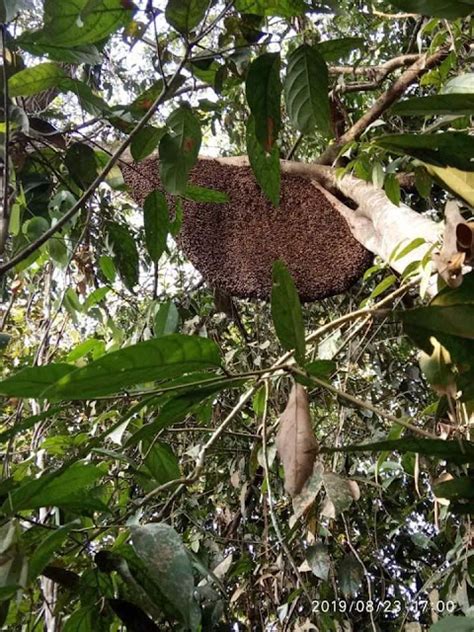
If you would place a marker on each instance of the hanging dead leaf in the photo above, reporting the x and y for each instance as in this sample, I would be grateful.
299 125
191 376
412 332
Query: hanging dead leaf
457 250
296 443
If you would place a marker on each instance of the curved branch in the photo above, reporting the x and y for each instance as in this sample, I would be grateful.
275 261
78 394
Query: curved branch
396 90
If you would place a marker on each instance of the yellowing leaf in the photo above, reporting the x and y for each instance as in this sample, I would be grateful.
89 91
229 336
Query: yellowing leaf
460 182
296 443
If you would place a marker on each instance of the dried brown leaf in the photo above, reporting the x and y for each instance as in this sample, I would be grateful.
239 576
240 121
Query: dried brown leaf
296 443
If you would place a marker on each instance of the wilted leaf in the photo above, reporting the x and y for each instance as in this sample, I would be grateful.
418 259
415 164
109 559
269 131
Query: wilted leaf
438 369
296 443
338 491
319 561
307 495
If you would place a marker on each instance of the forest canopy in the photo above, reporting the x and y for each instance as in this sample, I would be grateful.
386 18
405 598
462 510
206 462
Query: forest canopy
237 315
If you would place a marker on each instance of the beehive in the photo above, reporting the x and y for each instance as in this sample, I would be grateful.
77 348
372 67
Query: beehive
234 244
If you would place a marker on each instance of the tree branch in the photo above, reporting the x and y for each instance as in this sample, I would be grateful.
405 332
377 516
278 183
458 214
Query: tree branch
396 90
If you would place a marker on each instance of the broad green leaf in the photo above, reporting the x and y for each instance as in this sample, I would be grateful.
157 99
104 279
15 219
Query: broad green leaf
58 250
125 253
185 15
179 149
82 164
82 620
44 552
321 368
350 575
202 194
335 49
449 9
145 142
162 550
266 167
145 100
458 452
453 624
286 311
166 319
36 79
162 463
77 22
85 348
306 91
392 188
438 104
86 54
455 320
284 8
144 362
35 227
263 92
463 84
156 222
413 245
457 488
448 149
53 489
107 268
32 381
423 181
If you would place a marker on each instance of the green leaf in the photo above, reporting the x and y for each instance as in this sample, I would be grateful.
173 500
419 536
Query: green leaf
321 368
455 320
449 9
392 188
161 549
156 222
263 92
350 575
439 104
125 253
141 363
107 267
47 548
185 15
284 8
27 423
145 142
448 149
53 489
453 624
458 452
423 181
455 489
179 149
306 91
82 620
335 49
166 319
202 194
286 311
86 54
32 381
266 167
162 463
144 101
383 285
36 79
82 164
413 245
77 22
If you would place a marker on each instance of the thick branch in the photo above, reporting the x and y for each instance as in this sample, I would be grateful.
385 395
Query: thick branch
396 90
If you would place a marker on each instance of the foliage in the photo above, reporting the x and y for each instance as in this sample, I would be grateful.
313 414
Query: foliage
140 486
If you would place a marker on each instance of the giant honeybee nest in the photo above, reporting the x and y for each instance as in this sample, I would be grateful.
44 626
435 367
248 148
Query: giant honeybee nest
234 244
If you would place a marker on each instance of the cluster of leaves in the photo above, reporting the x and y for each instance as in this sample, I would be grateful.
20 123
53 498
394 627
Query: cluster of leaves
121 381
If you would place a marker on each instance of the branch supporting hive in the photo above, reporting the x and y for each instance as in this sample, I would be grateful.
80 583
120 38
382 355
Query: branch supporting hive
234 244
